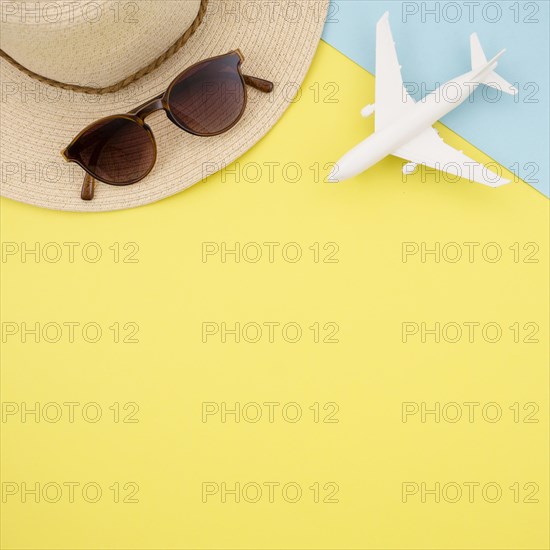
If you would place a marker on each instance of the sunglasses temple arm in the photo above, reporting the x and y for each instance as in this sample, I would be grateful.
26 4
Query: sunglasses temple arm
259 83
88 187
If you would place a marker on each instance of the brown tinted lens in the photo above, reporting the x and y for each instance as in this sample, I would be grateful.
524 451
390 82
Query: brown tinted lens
117 151
209 97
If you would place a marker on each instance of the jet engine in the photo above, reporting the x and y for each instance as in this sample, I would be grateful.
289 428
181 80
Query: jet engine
368 111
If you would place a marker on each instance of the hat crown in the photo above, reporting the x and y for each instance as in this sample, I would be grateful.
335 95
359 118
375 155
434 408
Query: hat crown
92 42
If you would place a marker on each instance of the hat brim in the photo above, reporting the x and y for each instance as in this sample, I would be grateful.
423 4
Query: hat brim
38 121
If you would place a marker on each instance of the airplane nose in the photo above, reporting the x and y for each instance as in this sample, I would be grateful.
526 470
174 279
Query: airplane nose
333 176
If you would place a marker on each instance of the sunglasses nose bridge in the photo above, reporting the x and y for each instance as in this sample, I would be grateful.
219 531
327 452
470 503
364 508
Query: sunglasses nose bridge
149 108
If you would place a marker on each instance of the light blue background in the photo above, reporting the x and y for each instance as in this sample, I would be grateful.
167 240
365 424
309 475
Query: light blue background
511 130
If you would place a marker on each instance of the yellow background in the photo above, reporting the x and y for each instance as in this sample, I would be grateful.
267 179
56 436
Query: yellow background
369 293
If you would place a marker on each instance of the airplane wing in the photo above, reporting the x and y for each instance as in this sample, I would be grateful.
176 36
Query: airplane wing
392 99
429 149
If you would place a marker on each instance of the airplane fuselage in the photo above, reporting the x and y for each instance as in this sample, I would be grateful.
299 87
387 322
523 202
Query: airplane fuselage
422 116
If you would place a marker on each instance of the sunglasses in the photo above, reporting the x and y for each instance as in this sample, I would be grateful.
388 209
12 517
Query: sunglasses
207 99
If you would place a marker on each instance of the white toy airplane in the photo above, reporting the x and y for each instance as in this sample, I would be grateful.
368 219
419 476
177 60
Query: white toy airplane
404 128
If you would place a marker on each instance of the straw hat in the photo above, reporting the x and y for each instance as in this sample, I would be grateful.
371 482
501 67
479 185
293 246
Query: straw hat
64 64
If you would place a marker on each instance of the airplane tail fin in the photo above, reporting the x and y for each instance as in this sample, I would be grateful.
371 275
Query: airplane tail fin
479 60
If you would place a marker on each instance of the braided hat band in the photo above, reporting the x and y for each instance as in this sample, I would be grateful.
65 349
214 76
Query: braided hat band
180 42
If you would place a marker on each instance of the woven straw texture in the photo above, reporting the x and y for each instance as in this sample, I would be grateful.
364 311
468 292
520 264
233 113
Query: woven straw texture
37 121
